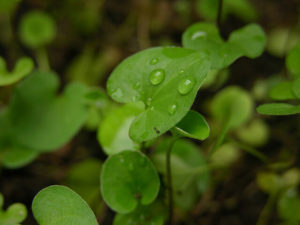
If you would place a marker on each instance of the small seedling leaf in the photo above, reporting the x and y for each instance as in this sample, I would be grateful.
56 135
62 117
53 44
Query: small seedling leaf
278 109
127 179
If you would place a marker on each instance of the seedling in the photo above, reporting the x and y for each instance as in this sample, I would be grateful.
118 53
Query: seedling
14 215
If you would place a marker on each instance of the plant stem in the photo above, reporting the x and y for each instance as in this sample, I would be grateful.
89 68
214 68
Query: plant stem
42 59
267 210
169 179
219 15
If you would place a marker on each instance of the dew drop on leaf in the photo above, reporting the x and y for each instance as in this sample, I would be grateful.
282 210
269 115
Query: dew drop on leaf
157 76
137 85
199 34
148 101
172 109
181 71
185 85
154 61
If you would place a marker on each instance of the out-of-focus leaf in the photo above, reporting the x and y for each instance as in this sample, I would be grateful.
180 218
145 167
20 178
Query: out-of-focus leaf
278 109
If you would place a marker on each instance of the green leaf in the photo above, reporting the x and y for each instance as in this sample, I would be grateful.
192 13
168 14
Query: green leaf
193 125
154 214
225 155
248 41
22 68
60 205
292 61
113 133
166 79
86 186
37 29
232 105
282 91
41 120
15 157
190 172
8 6
127 179
288 206
269 182
278 109
296 87
14 214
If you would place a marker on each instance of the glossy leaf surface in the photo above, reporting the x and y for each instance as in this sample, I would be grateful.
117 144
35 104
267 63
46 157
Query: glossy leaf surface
166 79
127 179
193 125
57 205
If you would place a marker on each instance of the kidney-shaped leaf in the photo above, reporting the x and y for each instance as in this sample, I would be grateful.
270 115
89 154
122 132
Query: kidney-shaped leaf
248 41
166 80
60 205
127 179
41 120
23 67
113 133
193 125
278 109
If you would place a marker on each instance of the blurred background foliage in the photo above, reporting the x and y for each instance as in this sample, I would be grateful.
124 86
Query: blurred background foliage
83 40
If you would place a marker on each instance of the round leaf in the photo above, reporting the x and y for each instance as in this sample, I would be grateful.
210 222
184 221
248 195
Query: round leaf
193 125
60 205
22 68
233 104
113 133
37 29
127 179
278 109
166 80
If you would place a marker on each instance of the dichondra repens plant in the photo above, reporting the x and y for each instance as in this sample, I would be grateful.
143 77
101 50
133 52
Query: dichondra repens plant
144 120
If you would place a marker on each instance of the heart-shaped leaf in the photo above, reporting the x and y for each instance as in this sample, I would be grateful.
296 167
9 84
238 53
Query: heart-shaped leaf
292 61
154 214
278 109
166 80
127 179
233 105
22 68
193 125
60 205
248 41
113 133
282 91
37 29
39 119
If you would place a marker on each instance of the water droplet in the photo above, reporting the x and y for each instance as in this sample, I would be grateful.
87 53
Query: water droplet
157 76
152 108
185 85
154 61
137 85
118 93
130 167
199 34
181 71
172 109
148 101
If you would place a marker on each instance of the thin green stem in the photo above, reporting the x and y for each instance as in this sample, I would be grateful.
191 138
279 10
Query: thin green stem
169 179
42 59
267 210
220 138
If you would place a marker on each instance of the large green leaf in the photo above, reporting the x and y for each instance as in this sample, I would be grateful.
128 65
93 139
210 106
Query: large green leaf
248 41
166 80
113 133
23 67
57 205
127 179
41 120
278 109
